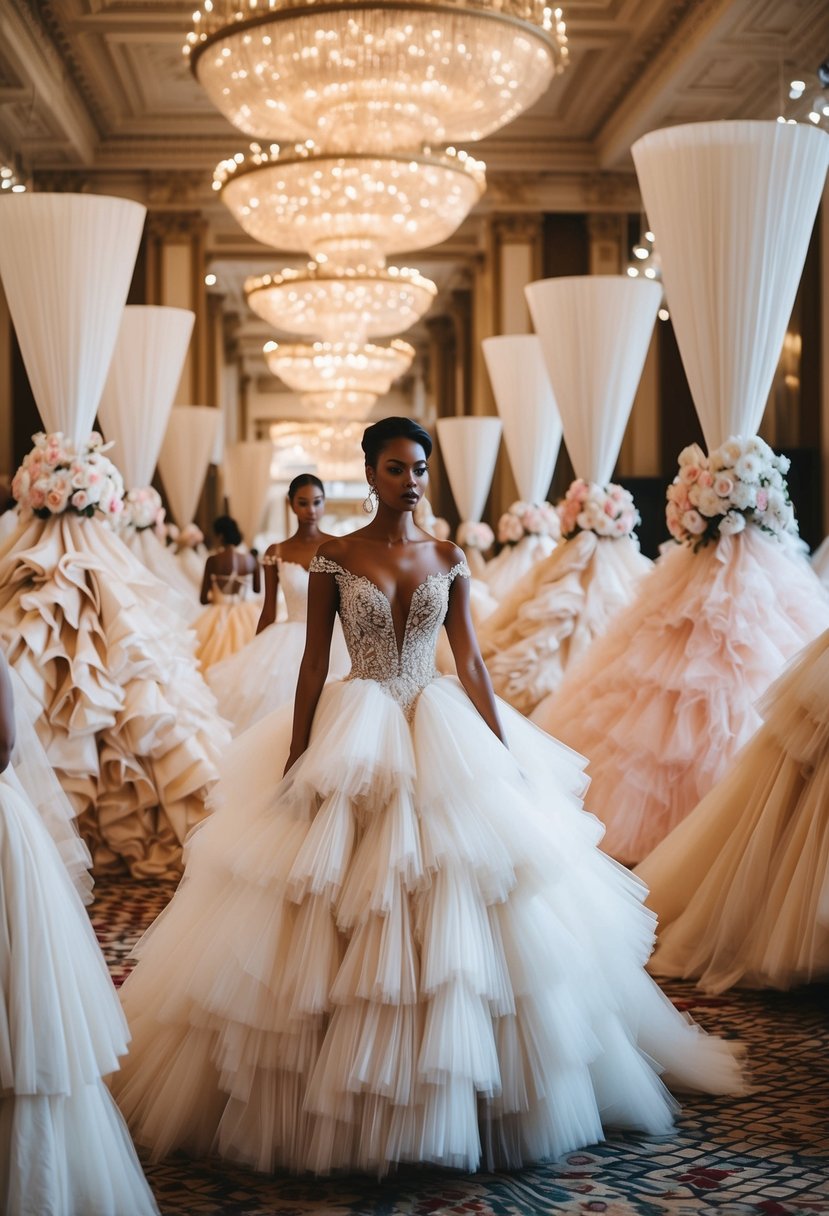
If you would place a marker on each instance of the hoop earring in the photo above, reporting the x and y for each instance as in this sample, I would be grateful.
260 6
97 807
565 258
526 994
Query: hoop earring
368 501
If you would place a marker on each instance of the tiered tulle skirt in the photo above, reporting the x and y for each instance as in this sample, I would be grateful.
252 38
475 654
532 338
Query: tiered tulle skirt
64 1148
127 721
409 949
741 887
662 703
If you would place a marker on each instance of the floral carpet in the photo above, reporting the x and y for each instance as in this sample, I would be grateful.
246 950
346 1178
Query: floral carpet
762 1155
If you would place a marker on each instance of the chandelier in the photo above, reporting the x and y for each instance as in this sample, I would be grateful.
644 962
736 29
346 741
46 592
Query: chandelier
375 75
323 367
330 447
330 302
340 404
350 210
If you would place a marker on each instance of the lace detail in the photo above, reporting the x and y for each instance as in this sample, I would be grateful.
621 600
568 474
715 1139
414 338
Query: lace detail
368 625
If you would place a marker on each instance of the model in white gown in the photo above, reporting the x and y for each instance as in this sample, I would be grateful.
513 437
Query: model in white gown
409 948
64 1148
741 887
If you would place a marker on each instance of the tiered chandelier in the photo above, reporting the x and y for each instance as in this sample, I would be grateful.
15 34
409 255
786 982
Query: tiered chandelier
359 92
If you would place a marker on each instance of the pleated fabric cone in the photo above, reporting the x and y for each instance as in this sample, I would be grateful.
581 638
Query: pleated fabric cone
247 469
64 1147
741 887
662 704
407 949
184 457
127 721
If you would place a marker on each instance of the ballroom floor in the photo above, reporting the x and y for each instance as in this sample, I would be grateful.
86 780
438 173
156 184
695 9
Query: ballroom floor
763 1155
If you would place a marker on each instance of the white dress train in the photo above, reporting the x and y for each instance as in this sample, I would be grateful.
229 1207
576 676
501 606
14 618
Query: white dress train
409 948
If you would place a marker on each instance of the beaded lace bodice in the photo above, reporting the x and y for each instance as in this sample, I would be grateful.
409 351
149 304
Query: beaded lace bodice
368 625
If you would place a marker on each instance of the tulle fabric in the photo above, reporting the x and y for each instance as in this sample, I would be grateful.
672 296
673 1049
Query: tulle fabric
662 703
514 562
555 612
160 561
127 722
820 561
64 1148
741 887
409 949
192 563
222 630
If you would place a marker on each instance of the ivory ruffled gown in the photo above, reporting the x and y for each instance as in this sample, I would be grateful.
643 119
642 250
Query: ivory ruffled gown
127 722
64 1147
263 676
161 562
741 887
409 948
514 562
555 613
662 703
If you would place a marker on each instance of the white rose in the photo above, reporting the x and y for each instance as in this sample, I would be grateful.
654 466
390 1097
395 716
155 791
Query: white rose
744 496
748 468
708 501
693 522
732 523
731 450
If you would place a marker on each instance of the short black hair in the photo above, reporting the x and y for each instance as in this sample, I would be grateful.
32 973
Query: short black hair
376 437
304 479
227 529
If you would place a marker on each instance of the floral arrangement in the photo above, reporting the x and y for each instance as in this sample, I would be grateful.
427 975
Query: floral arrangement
528 519
475 536
143 509
741 482
57 476
606 510
190 537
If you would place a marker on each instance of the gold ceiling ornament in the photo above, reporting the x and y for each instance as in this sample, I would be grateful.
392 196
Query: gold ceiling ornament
375 75
323 367
348 304
352 210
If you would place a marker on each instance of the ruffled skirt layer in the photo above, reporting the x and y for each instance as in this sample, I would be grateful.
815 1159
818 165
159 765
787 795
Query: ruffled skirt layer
161 561
741 887
662 703
127 721
409 949
503 572
262 677
222 630
64 1148
555 613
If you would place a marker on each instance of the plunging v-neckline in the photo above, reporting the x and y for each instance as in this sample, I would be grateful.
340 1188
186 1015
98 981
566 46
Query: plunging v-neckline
400 643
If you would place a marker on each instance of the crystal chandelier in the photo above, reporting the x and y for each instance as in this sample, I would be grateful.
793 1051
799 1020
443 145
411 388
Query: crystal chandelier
350 210
375 75
323 367
330 302
340 404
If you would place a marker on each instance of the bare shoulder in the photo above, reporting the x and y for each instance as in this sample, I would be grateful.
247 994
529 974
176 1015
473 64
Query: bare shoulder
450 553
272 550
334 548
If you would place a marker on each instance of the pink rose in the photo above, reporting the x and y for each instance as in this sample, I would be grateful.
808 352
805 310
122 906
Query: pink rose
723 486
706 478
694 523
689 473
80 499
762 499
37 497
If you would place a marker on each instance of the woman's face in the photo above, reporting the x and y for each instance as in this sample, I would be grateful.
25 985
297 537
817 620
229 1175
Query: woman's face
308 504
401 474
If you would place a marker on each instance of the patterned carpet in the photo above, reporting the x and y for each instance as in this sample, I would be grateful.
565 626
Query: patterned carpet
763 1155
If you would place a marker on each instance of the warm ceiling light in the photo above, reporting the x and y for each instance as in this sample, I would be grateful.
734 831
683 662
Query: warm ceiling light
338 404
349 305
349 210
321 367
375 75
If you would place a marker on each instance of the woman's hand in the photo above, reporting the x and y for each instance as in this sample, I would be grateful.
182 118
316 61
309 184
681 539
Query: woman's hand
293 756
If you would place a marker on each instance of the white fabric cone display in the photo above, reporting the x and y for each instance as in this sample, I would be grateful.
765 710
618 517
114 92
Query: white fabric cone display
66 261
247 469
184 457
470 448
594 332
527 408
138 394
732 205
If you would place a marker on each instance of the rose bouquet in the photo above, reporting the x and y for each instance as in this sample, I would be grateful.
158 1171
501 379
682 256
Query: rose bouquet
190 536
143 509
475 536
606 510
57 476
528 519
741 482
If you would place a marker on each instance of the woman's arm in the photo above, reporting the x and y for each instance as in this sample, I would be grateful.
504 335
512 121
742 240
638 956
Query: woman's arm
256 583
7 727
204 595
268 614
472 673
322 609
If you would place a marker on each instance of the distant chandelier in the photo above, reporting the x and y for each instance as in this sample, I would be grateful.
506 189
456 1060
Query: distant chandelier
321 367
375 75
350 210
341 405
338 303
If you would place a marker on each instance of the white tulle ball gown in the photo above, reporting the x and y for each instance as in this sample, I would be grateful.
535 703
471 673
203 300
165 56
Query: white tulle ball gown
64 1147
409 948
263 675
662 703
127 721
741 887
